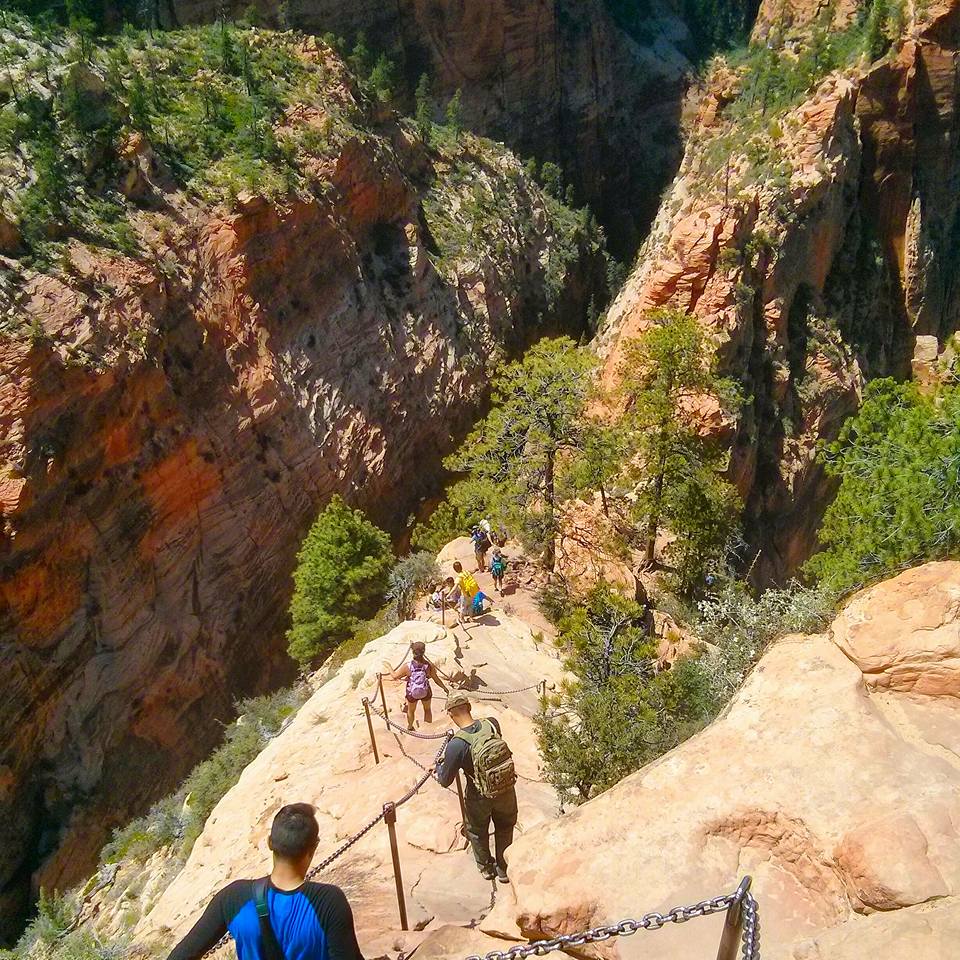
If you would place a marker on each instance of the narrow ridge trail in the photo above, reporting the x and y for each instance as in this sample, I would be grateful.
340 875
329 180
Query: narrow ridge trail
325 757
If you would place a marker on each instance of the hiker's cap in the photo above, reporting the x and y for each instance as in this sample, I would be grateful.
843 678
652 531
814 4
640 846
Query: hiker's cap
455 701
418 648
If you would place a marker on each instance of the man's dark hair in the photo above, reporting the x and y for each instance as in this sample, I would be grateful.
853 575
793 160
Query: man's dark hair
294 831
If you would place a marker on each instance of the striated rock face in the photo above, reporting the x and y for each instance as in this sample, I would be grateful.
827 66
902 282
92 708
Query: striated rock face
836 792
815 247
169 427
555 79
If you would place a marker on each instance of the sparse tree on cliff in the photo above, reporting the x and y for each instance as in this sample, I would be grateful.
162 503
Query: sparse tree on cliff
423 112
454 114
537 416
340 577
619 712
681 488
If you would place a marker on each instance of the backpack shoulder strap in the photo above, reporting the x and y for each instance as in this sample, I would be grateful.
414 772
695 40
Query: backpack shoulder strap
471 738
268 939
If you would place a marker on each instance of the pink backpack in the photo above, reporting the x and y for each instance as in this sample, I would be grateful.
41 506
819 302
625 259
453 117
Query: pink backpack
418 681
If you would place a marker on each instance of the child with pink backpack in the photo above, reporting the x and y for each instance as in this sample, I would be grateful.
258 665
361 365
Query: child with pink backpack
418 673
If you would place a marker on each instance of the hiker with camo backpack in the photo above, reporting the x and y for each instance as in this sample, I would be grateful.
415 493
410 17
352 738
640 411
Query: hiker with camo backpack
418 674
478 749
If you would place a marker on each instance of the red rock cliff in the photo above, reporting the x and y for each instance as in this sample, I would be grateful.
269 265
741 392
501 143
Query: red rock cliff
170 425
815 246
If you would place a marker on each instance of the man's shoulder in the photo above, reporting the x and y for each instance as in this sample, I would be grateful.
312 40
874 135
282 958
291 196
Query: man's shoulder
328 893
233 896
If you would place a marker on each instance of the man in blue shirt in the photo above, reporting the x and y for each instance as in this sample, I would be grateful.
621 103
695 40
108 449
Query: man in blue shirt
311 921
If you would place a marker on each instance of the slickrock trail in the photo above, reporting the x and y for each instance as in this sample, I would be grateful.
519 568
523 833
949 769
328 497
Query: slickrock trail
324 757
833 778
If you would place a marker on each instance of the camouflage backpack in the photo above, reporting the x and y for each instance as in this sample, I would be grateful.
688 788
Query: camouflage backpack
493 770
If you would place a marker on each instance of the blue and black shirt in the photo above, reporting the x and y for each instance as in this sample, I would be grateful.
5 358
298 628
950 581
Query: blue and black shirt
313 922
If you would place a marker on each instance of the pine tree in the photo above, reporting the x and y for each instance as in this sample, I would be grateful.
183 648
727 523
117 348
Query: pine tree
538 407
423 112
681 486
898 463
454 114
340 576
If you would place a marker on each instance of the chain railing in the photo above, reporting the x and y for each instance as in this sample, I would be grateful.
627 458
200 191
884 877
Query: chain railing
742 918
400 727
483 691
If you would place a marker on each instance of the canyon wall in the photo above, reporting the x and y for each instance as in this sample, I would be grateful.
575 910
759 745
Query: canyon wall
555 79
815 244
170 425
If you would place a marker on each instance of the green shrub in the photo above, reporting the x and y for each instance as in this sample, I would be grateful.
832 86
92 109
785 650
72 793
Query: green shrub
898 504
341 574
465 504
177 820
621 712
411 576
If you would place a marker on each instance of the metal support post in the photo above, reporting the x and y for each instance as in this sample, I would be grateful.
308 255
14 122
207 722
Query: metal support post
373 738
730 938
390 819
383 702
463 809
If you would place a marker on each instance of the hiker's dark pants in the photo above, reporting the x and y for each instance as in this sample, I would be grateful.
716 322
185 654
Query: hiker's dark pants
480 811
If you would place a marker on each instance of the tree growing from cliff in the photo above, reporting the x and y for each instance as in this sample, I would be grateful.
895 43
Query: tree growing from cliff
898 463
423 111
537 417
621 711
340 577
666 371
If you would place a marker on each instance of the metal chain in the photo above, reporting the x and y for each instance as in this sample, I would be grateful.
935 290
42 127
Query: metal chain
750 919
649 921
502 693
403 729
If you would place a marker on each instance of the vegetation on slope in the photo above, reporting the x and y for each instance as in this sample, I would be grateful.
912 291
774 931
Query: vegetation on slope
623 710
653 470
227 109
898 504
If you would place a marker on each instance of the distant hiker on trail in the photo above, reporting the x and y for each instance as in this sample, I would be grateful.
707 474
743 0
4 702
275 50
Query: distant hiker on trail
280 916
481 544
468 587
441 594
418 673
487 763
498 569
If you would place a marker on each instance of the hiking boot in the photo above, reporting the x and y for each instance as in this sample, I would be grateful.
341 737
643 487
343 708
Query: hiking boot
488 872
502 875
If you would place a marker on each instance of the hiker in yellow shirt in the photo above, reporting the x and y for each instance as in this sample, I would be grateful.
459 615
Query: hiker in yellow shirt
468 587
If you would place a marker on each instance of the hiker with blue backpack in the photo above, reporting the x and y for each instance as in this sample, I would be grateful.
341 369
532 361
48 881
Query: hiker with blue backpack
479 750
498 569
418 674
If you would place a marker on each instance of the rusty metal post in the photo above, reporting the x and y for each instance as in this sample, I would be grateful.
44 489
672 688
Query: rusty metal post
373 738
390 819
383 702
730 938
463 809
